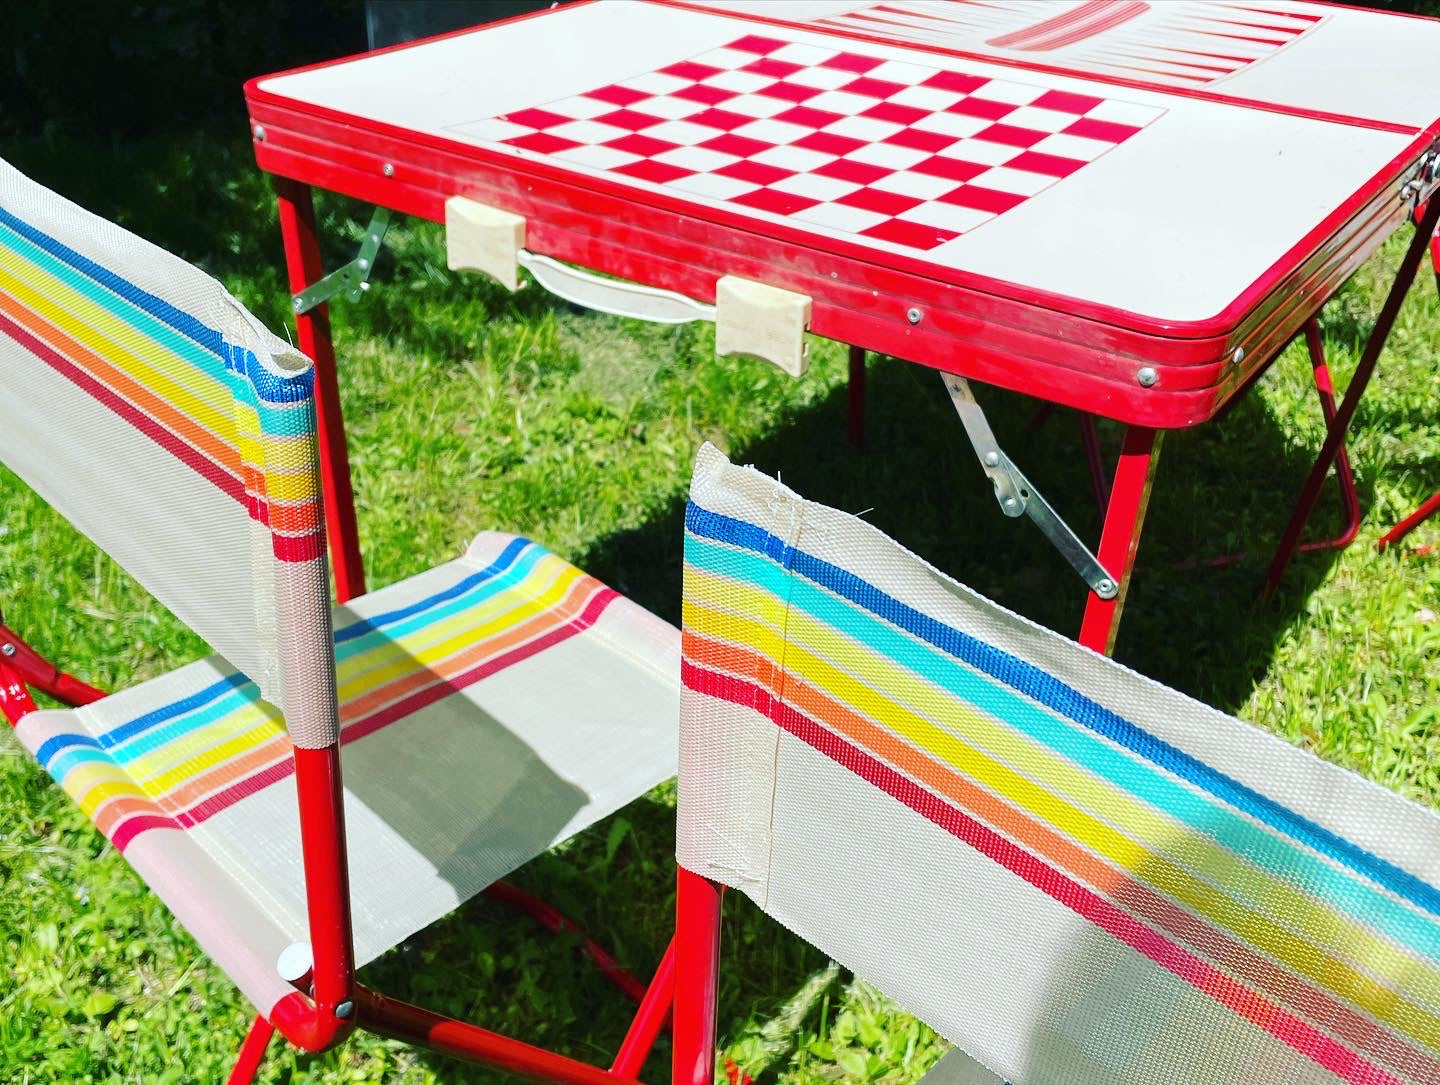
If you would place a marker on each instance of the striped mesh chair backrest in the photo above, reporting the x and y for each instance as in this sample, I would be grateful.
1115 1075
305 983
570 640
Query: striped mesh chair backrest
1076 874
144 403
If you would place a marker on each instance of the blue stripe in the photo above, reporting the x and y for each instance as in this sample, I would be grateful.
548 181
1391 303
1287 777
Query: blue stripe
53 745
1209 818
270 386
369 625
1065 700
207 702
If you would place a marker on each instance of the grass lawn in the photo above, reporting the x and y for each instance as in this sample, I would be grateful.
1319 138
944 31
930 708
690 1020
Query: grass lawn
469 409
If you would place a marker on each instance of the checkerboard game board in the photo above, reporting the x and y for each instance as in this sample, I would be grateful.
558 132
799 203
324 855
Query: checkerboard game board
893 151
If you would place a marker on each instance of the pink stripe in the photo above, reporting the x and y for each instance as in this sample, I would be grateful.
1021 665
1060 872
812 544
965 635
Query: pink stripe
191 457
368 725
1284 1026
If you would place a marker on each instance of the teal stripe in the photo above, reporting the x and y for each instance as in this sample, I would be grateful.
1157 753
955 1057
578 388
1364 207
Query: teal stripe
153 739
73 758
1205 816
506 581
161 333
279 419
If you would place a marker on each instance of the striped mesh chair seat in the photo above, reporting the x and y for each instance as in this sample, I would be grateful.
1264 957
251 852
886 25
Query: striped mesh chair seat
1079 876
482 710
490 707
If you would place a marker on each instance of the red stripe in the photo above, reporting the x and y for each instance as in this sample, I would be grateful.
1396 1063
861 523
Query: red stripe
305 547
407 706
1292 1031
194 459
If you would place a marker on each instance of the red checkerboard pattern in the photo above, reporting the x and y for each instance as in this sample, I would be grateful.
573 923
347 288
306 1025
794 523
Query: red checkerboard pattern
892 151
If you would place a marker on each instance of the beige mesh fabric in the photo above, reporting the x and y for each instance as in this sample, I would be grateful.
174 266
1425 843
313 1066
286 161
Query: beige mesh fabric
157 415
492 706
1079 876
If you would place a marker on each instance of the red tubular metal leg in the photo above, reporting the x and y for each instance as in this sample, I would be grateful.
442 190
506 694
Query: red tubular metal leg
1325 387
39 673
552 919
1120 537
327 895
649 1018
1411 522
302 261
1432 504
401 1021
252 1052
856 430
1346 411
15 699
697 965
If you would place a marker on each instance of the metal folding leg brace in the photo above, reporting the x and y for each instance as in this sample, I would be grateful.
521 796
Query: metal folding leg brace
1431 504
1108 574
1424 232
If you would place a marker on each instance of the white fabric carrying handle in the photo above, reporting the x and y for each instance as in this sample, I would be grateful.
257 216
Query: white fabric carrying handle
750 318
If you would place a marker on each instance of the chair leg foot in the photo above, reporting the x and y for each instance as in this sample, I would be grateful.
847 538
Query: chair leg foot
252 1052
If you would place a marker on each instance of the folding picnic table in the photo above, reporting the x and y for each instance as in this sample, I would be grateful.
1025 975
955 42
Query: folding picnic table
1120 207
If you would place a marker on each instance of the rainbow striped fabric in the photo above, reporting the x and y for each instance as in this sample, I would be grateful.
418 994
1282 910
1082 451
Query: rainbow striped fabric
209 402
1068 795
168 425
181 763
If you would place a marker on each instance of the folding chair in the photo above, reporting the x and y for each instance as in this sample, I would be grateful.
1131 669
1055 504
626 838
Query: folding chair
486 708
1079 876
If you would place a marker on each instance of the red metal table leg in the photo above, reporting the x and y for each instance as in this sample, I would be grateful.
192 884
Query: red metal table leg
38 672
1424 234
697 965
1120 537
1432 505
302 261
857 396
649 1018
252 1052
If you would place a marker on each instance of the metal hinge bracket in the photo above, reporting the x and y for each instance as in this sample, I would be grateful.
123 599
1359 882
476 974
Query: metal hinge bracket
1018 497
352 280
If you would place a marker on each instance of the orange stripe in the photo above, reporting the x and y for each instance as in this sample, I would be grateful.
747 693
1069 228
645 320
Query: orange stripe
176 421
462 661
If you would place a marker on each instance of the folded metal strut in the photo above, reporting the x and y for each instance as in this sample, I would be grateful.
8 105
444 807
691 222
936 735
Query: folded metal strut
1018 497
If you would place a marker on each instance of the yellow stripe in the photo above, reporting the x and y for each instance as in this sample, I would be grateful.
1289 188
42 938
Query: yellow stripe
158 786
1143 863
256 718
392 659
177 381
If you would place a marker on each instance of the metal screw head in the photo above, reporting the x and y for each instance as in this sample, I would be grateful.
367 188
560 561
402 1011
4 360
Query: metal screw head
260 133
1238 356
389 169
1009 502
992 459
345 1009
913 315
7 649
363 264
297 304
1147 377
1105 588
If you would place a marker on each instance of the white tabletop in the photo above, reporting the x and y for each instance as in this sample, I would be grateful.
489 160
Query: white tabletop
1152 201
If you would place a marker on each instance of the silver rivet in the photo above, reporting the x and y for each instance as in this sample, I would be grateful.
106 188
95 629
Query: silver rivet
1009 502
1105 587
260 132
8 649
1238 356
345 1009
1147 377
389 170
297 303
992 459
363 264
913 315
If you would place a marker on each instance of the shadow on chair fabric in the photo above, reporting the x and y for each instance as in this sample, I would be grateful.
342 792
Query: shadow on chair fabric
487 708
1076 874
